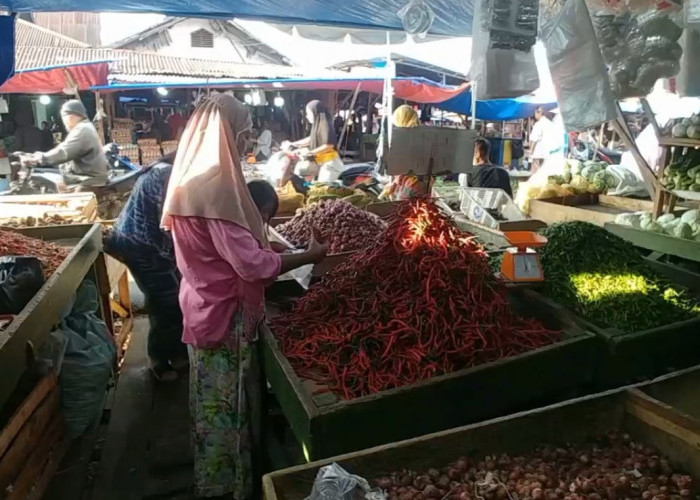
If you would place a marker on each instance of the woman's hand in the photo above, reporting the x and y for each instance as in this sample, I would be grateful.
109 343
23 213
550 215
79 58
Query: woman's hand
318 247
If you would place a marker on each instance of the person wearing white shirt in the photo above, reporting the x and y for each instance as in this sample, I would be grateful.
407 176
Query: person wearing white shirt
263 144
541 139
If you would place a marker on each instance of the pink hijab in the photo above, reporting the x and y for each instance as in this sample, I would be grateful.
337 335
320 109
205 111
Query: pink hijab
207 179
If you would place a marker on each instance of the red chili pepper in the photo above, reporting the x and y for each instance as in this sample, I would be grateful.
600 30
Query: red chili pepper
420 302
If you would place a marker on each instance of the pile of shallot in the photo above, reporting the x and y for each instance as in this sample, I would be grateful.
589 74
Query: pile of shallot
347 228
611 468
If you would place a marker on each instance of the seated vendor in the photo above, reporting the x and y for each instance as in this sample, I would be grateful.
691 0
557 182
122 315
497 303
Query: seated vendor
319 149
485 174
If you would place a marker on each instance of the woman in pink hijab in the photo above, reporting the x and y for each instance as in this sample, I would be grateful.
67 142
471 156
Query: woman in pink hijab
225 260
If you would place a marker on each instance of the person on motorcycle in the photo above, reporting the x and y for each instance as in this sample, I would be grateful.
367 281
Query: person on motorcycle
79 157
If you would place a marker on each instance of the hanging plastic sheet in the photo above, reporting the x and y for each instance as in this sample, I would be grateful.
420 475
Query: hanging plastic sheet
503 61
577 68
7 47
498 109
687 81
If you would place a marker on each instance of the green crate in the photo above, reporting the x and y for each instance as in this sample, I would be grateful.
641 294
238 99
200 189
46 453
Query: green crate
326 426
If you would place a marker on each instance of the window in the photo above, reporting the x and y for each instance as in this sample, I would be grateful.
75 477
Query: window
202 39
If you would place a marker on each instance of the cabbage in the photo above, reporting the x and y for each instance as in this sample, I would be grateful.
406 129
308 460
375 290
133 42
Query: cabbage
650 225
683 230
574 166
691 216
631 220
665 219
579 183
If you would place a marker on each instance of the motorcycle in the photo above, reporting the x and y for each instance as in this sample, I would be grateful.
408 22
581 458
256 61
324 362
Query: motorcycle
28 179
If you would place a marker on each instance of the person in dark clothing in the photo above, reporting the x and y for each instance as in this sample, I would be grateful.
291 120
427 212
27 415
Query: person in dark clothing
47 136
28 138
487 175
139 242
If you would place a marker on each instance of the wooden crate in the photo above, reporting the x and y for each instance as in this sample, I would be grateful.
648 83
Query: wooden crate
82 205
679 390
629 357
33 324
628 411
33 443
326 426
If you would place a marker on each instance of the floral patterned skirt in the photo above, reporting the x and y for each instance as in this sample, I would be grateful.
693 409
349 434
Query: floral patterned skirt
220 418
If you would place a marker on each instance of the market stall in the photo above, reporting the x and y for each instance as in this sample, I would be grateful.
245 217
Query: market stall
35 435
593 436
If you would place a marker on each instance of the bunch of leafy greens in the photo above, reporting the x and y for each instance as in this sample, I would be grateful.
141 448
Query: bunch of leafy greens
605 279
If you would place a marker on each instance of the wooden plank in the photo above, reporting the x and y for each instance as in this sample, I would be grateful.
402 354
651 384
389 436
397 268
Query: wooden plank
663 416
626 204
49 470
678 390
28 438
657 242
32 469
552 213
123 469
9 432
679 142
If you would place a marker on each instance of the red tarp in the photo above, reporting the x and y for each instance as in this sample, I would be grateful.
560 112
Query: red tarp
54 79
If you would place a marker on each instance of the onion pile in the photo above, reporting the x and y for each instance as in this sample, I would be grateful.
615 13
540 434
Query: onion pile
613 468
347 228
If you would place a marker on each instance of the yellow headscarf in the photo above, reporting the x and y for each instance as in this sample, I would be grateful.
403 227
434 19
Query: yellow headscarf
406 117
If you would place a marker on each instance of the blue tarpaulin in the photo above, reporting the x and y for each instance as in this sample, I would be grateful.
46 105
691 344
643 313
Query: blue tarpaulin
452 17
7 47
497 109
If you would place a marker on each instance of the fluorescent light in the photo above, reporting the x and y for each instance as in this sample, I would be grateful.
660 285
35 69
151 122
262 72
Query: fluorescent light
45 100
162 91
277 85
279 101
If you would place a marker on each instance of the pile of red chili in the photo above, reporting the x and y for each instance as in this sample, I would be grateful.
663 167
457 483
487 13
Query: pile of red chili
421 302
50 254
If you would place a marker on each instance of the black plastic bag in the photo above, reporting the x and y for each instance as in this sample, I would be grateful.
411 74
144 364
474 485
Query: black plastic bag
20 279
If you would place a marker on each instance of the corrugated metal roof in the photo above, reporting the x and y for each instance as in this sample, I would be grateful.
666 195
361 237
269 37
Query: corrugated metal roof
127 62
32 35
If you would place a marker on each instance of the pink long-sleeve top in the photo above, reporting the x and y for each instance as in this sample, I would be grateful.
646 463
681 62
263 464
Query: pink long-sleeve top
217 259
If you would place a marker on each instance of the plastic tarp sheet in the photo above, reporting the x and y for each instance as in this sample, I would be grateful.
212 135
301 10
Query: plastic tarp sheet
53 79
497 109
417 90
7 47
452 17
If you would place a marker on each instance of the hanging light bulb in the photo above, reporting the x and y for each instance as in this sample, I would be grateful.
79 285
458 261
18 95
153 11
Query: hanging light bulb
279 101
45 100
162 91
248 98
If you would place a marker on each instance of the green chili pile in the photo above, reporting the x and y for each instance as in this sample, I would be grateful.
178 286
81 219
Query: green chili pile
607 281
421 302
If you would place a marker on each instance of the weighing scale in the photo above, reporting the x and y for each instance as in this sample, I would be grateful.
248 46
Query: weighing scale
521 264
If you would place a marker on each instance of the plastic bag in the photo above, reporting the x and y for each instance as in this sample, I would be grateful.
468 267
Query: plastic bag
578 72
503 61
626 182
335 483
691 13
88 361
417 17
20 279
639 43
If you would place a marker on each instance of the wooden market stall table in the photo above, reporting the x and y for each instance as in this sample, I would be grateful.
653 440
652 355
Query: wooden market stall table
33 440
675 432
596 209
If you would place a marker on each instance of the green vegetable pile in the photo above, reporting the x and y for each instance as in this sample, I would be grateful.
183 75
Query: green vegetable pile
684 173
605 279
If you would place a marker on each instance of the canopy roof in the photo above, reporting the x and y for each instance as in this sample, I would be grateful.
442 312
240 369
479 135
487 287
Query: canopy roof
54 79
452 17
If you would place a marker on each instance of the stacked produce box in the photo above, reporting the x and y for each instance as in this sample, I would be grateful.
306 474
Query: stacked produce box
150 151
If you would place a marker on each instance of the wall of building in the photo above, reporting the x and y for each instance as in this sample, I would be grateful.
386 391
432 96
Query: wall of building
181 43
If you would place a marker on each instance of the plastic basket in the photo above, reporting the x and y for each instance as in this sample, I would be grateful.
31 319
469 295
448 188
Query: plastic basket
476 202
